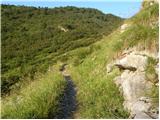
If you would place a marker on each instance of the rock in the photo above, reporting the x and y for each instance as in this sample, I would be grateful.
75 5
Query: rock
154 113
121 67
132 116
123 27
134 86
140 106
139 109
132 62
145 99
141 115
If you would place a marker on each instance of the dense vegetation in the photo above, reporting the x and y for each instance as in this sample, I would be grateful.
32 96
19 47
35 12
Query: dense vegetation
32 38
146 23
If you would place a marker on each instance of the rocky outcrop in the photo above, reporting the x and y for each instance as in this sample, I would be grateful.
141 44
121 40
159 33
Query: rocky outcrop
132 62
134 85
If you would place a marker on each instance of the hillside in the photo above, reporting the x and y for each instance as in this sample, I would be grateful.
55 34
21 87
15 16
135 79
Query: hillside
32 38
115 77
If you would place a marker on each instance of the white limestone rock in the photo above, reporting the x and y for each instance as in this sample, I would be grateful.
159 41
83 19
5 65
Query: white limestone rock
134 85
133 61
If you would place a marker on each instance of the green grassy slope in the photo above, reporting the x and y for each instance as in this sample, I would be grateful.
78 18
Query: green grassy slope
97 95
32 37
38 99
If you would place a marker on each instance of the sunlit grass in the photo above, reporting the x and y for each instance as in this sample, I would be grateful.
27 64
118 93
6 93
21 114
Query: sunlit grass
97 95
38 100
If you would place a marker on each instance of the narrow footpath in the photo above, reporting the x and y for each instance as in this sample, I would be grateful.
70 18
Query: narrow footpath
68 102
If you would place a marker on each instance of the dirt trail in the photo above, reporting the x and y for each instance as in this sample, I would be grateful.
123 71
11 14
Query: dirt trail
68 102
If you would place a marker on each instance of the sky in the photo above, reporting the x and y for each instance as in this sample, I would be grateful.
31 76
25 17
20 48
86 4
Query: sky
122 8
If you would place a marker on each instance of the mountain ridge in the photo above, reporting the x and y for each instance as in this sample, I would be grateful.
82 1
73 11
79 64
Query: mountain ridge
30 35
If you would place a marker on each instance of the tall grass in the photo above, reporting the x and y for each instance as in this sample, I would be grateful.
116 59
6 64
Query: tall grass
38 100
152 76
150 71
147 15
97 95
143 30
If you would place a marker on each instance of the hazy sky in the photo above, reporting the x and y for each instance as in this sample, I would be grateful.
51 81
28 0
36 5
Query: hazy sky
122 8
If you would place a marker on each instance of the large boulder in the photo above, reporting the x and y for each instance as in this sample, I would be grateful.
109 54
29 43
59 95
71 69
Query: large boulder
132 62
134 85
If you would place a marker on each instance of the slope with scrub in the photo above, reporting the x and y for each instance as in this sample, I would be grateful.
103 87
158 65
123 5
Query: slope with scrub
32 38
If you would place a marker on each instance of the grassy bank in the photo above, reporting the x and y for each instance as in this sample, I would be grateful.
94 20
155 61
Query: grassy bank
38 100
97 95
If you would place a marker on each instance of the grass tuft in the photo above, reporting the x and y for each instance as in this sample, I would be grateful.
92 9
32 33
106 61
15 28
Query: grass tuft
39 99
150 71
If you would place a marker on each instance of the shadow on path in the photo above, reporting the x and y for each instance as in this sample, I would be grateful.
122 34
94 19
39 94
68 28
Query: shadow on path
68 100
